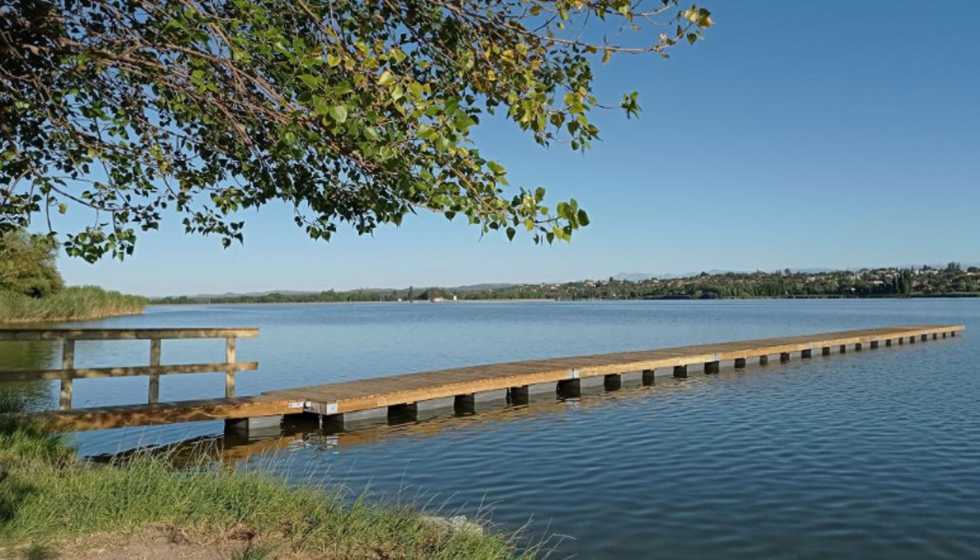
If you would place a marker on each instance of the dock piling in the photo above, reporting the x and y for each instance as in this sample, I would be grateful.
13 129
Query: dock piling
613 382
403 413
519 396
570 388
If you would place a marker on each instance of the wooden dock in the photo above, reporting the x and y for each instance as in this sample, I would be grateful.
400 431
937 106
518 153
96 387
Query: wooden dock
340 404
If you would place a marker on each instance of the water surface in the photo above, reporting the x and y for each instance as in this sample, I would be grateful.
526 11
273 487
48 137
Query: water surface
872 455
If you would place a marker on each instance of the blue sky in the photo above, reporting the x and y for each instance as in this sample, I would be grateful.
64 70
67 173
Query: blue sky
799 134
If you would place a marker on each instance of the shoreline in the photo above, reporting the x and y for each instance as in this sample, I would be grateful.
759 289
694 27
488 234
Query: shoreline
556 300
95 317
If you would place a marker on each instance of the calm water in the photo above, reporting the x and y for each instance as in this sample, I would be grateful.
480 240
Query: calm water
865 455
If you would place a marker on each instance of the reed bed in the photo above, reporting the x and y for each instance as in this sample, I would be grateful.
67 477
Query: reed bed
77 303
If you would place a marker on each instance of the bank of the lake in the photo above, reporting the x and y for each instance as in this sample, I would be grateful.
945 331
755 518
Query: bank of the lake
78 303
52 504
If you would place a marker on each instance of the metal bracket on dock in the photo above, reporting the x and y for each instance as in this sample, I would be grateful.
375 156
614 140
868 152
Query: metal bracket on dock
327 409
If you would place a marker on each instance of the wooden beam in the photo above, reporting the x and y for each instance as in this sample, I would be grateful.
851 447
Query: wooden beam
123 334
93 373
103 418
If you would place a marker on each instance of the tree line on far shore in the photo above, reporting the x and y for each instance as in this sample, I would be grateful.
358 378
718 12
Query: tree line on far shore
953 280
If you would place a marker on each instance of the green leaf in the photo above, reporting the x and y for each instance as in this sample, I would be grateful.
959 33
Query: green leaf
385 78
339 113
583 218
320 106
333 60
311 81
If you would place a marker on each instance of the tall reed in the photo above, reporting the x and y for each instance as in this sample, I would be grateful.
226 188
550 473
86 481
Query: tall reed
70 304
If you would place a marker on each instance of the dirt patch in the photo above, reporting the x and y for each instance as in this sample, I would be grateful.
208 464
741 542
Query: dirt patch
158 543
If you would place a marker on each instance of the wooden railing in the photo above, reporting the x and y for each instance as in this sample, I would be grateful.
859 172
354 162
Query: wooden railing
69 372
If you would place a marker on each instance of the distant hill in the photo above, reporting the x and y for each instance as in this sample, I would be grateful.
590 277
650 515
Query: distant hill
297 293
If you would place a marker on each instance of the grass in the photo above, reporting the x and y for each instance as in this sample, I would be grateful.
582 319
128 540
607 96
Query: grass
49 496
70 304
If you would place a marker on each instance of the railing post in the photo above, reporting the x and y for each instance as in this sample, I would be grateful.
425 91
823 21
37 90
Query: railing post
67 363
154 396
230 373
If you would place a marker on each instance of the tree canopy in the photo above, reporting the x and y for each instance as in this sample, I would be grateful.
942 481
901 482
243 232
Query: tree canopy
27 265
354 112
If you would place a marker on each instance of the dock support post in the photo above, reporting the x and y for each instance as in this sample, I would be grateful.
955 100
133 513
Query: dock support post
825 351
67 362
806 354
464 405
739 363
154 391
648 377
570 388
784 357
858 347
925 337
944 335
763 360
680 372
935 336
613 382
230 374
874 344
843 349
403 413
901 341
888 343
911 340
249 427
953 334
519 396
712 367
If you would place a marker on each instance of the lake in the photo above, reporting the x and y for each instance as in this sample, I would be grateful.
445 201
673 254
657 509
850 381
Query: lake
870 455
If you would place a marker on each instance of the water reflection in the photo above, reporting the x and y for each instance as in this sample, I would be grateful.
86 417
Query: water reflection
299 433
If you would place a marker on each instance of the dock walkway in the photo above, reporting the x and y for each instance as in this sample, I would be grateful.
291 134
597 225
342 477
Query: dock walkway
339 403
